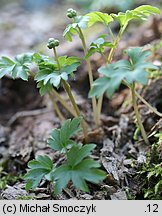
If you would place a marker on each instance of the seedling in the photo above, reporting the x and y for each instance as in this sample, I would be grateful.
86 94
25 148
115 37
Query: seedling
78 166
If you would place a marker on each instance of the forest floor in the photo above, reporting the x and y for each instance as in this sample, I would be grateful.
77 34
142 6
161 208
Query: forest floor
26 119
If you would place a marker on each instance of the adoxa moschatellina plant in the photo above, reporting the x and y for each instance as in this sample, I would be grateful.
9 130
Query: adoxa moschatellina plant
54 72
127 72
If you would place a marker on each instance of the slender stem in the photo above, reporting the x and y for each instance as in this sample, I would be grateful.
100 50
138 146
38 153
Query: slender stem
143 100
115 45
94 103
71 97
67 86
32 74
100 101
56 57
58 112
99 107
148 105
111 33
143 132
64 103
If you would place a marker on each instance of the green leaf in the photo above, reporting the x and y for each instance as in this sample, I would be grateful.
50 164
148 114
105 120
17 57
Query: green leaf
95 17
38 168
60 138
43 89
104 84
86 170
19 67
132 70
98 45
77 153
62 176
141 12
71 29
147 10
86 21
50 75
54 141
69 128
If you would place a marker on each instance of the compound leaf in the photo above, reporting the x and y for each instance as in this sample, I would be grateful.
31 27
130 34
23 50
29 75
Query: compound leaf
132 70
60 138
19 67
77 153
85 169
38 168
141 12
95 17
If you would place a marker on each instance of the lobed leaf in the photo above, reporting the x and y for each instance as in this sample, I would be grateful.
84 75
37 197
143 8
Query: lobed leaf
98 45
60 138
132 70
86 170
50 75
95 17
38 168
141 12
19 67
77 153
71 29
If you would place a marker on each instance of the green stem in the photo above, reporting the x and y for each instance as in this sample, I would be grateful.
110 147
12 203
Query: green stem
56 57
71 97
99 107
94 103
143 100
100 101
64 103
143 132
148 105
115 45
58 112
32 74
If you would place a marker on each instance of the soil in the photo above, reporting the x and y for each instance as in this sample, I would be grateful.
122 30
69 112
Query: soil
26 119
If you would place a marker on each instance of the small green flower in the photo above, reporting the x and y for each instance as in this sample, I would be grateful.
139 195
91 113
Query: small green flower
52 43
71 13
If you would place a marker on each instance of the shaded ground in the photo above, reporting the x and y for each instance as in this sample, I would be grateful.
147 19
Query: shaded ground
26 119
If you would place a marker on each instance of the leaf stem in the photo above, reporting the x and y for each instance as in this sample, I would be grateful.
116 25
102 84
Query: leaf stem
148 105
55 106
56 57
64 103
100 100
143 100
143 132
71 97
94 103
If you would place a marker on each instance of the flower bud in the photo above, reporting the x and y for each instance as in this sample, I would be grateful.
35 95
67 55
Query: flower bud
52 43
71 13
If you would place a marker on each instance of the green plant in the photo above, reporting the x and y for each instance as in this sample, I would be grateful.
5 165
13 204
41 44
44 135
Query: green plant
52 73
78 166
129 72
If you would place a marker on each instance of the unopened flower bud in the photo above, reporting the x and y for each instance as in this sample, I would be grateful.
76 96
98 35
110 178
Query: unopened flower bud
71 13
52 43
